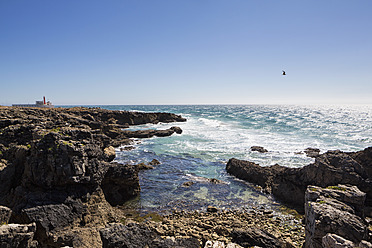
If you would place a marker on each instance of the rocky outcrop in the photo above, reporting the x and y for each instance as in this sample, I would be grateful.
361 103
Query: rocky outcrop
312 152
151 133
289 184
336 210
57 169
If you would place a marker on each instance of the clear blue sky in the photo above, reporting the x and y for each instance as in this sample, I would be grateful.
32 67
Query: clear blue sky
186 51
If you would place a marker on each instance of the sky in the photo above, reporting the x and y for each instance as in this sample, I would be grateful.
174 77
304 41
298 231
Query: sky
121 52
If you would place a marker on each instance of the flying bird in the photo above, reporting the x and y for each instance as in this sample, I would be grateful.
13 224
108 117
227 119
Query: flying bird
283 73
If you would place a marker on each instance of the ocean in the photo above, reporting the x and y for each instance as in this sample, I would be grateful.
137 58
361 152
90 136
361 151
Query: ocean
215 133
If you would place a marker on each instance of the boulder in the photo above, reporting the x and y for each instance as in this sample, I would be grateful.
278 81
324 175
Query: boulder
258 149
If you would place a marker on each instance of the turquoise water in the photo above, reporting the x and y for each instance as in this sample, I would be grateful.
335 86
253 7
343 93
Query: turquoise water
215 133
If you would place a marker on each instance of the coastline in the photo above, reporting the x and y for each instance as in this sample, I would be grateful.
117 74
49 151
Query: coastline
68 169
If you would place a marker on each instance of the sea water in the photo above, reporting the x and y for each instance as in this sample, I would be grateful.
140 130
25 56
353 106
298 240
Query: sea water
215 133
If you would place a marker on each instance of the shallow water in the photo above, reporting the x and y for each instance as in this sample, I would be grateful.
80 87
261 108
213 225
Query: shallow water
215 133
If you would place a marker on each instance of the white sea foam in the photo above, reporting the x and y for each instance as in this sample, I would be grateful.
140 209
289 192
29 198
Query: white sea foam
221 133
214 134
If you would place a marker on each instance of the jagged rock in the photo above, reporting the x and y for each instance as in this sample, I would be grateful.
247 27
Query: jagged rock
312 152
255 237
289 184
139 235
258 149
326 213
178 130
335 241
54 216
17 236
5 214
347 198
120 183
150 133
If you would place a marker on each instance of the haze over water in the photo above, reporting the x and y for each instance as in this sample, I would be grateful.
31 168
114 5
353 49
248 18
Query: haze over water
215 133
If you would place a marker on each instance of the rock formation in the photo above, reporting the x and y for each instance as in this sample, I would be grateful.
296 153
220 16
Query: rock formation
57 169
335 215
331 168
258 149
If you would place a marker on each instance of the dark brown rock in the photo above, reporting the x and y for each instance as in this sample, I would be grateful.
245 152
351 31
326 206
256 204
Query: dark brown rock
312 152
255 237
258 149
120 183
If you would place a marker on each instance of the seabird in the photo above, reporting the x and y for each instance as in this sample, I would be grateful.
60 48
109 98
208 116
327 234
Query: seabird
283 73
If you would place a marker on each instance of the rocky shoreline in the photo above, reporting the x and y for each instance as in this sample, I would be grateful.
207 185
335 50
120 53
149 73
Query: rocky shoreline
60 188
334 193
